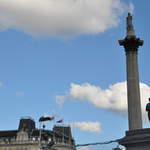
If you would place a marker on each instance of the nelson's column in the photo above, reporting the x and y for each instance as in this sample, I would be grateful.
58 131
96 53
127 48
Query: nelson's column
136 138
131 44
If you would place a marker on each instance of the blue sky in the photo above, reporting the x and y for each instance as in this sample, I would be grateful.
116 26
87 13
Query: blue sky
39 63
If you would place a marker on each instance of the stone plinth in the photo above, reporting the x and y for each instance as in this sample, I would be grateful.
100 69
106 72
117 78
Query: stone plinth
136 140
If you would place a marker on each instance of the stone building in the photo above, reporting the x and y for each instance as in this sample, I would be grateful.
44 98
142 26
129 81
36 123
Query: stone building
28 137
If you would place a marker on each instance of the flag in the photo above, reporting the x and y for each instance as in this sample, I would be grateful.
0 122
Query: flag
60 121
46 118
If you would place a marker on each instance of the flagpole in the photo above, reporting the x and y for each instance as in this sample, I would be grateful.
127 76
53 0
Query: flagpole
70 135
63 135
40 134
54 131
43 119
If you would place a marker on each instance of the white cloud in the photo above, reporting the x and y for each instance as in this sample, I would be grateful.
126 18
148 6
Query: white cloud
19 93
113 99
60 17
87 126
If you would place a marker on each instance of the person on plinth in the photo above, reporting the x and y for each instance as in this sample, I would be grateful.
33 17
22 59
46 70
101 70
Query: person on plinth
148 109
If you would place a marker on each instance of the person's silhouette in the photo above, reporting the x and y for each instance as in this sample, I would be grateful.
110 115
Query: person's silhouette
148 109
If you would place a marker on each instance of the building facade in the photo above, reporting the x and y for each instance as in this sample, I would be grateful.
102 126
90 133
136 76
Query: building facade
28 137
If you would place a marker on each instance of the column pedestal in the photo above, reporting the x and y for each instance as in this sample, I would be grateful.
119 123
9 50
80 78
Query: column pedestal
136 139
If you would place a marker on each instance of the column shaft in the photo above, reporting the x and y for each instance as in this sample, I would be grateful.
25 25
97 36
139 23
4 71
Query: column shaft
133 90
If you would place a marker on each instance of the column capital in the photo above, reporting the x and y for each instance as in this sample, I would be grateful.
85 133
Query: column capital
131 44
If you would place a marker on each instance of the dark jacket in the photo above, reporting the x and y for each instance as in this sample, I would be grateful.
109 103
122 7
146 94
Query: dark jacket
148 107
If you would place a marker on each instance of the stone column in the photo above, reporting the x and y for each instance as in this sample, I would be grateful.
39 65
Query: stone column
136 138
131 44
134 103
